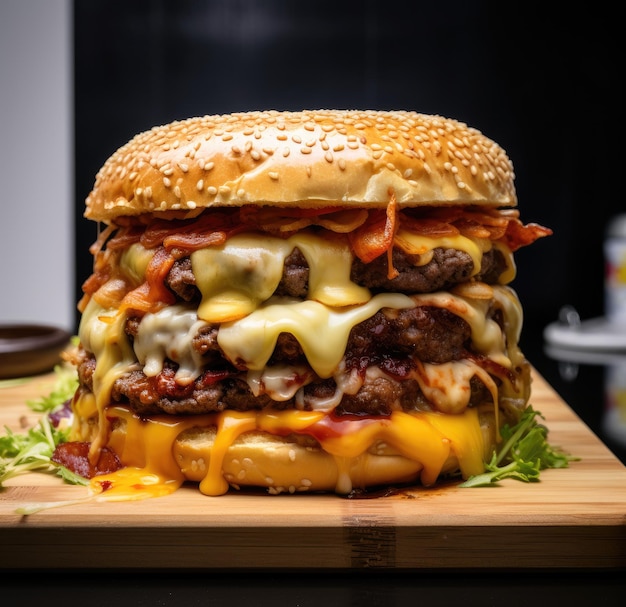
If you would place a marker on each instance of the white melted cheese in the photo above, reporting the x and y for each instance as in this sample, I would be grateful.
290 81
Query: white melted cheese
169 334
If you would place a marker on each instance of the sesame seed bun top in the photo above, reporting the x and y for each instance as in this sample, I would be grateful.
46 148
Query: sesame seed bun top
308 159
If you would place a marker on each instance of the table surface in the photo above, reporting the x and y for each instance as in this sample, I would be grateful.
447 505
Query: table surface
572 518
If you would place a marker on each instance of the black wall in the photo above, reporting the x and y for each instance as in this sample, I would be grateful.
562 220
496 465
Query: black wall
543 84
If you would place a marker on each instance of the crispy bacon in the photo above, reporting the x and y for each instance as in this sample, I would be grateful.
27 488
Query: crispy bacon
153 293
75 457
519 235
375 236
371 233
214 228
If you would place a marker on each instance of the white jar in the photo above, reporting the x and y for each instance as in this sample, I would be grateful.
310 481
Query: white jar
615 271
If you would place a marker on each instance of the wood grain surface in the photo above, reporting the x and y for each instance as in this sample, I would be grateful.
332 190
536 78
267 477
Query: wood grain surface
573 518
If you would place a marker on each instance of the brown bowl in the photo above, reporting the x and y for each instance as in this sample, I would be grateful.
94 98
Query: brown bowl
30 349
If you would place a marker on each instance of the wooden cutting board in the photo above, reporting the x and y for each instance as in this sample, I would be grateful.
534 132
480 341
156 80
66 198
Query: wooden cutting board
574 518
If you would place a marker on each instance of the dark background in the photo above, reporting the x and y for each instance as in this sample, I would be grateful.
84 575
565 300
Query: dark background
545 85
542 82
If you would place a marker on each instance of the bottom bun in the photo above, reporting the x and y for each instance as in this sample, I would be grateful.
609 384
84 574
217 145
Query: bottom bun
259 459
296 462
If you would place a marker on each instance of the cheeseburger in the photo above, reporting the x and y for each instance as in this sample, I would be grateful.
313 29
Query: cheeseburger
300 301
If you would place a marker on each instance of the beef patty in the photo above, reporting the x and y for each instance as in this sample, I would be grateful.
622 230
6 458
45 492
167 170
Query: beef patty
390 340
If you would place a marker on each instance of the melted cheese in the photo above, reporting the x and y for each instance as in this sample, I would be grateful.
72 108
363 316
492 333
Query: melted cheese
237 282
322 331
169 334
146 447
236 278
134 262
418 244
102 332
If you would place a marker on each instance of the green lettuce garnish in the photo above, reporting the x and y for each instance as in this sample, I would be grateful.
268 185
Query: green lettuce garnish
32 451
524 452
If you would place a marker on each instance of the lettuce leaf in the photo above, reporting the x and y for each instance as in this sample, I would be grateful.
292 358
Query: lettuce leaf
524 453
32 451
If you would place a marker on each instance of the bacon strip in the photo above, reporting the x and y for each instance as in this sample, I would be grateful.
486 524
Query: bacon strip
375 236
153 293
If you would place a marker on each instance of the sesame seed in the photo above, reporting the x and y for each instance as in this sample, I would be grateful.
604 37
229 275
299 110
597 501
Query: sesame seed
328 157
292 455
200 185
305 150
273 175
342 164
167 182
224 190
208 166
305 482
211 190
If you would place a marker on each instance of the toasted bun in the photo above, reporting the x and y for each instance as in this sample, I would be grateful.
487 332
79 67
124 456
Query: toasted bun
294 463
258 459
305 159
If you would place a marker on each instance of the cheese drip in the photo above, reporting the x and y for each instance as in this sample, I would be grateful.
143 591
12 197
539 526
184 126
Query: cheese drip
101 331
321 331
170 333
236 278
147 447
418 244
